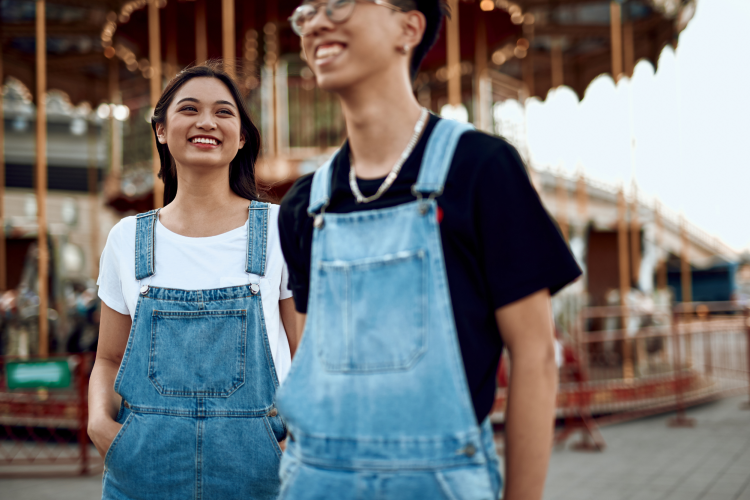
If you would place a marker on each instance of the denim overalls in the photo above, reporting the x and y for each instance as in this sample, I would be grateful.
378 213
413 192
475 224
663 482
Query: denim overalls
376 401
198 383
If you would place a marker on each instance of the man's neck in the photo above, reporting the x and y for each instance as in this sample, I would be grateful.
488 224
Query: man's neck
380 117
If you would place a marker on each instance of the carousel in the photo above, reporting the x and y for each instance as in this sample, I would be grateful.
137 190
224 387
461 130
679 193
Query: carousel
623 349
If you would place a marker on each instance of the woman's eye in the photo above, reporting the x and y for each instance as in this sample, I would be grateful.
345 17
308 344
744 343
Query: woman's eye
188 108
227 111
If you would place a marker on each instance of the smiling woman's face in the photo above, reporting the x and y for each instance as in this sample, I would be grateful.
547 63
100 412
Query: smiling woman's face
203 127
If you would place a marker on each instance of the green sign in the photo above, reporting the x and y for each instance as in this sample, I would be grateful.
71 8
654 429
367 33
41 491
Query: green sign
34 374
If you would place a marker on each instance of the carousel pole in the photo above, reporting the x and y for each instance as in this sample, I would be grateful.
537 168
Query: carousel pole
628 48
635 237
582 205
562 206
622 240
557 63
93 181
228 40
154 47
172 63
661 273
482 108
201 37
635 252
616 38
115 139
527 64
453 55
41 176
661 264
686 279
582 197
3 273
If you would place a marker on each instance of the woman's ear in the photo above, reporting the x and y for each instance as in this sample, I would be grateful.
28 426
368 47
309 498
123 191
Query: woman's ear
161 133
242 141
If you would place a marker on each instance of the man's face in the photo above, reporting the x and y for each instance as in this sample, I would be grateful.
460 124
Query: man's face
345 54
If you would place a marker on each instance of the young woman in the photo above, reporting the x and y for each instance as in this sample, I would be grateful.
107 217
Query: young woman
418 252
195 305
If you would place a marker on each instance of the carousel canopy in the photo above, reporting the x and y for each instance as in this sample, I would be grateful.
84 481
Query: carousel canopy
545 43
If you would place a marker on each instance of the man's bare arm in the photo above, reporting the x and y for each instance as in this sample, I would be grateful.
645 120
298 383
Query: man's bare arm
528 330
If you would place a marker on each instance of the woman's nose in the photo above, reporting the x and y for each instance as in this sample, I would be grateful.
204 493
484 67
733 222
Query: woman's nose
206 121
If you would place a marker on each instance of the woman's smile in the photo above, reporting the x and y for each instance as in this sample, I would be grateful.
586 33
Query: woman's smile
204 142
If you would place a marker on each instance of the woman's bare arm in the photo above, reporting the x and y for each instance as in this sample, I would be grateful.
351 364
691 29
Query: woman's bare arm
290 319
294 323
528 331
104 403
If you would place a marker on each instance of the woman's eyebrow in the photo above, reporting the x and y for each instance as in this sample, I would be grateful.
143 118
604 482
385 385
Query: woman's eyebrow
193 99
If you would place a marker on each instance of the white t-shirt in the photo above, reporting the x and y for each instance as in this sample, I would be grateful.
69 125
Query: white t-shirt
185 263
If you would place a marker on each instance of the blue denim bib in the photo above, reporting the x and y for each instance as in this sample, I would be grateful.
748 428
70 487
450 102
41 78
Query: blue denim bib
376 401
198 383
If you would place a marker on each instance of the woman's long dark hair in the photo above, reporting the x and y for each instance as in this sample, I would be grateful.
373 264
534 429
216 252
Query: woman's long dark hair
242 168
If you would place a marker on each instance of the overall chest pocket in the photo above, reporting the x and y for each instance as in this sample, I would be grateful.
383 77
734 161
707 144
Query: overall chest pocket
372 314
198 353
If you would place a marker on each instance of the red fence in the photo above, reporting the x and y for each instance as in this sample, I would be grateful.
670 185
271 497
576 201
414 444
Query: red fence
45 426
625 363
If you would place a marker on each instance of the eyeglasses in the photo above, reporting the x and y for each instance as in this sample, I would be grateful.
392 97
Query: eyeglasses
337 11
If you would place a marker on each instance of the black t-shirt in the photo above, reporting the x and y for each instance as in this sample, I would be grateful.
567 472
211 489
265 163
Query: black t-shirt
500 244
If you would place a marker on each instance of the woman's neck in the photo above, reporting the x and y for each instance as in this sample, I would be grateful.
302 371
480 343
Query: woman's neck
204 205
380 116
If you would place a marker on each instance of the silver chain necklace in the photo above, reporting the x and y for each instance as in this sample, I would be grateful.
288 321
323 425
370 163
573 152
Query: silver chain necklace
389 180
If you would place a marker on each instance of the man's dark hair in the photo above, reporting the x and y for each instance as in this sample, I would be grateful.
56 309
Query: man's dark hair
434 11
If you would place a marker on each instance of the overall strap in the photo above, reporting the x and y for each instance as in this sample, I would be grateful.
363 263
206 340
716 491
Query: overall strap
145 237
320 191
257 238
438 157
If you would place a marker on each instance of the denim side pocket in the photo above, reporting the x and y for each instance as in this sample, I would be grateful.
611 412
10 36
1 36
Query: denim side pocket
364 327
198 353
117 439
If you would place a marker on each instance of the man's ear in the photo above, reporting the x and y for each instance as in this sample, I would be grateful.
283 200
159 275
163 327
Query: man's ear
413 28
161 133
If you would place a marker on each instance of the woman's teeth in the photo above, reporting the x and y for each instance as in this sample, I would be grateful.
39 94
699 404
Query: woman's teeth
204 140
328 51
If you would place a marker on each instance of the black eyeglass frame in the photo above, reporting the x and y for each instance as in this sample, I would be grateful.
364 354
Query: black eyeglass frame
329 11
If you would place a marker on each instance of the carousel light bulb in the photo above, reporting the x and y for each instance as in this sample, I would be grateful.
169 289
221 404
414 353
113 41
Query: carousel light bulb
487 5
121 112
103 111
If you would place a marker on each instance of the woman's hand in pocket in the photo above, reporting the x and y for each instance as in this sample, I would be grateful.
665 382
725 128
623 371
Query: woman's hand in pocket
102 432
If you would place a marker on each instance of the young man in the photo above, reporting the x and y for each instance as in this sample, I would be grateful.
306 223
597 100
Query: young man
417 253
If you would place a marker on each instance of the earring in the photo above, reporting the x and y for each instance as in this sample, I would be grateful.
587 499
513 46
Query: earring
405 49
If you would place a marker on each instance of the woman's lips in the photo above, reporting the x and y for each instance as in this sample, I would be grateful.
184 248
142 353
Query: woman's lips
205 142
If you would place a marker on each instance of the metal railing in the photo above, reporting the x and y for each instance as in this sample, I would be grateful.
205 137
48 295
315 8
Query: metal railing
42 428
628 363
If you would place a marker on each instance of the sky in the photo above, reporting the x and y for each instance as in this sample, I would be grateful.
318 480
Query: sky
690 120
